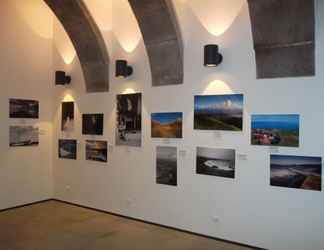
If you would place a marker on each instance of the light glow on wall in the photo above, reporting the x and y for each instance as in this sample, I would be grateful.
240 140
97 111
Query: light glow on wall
101 12
63 43
126 28
216 16
68 98
217 87
129 91
36 15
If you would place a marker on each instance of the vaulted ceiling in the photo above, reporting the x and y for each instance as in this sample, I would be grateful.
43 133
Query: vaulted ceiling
283 33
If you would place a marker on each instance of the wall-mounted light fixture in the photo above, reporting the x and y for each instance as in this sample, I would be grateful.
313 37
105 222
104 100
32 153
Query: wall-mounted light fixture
212 57
122 69
61 78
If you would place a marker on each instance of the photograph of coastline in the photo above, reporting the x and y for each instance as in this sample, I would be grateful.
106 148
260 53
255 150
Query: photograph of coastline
23 136
216 162
129 120
219 112
166 125
166 165
96 150
296 172
68 149
67 116
275 130
19 108
92 124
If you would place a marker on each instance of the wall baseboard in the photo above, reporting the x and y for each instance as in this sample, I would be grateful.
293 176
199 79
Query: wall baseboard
24 205
160 225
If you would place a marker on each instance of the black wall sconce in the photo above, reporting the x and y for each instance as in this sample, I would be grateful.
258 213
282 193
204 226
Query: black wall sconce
122 69
212 56
61 78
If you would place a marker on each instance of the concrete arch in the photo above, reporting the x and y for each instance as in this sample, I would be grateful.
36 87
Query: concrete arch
161 34
284 37
87 40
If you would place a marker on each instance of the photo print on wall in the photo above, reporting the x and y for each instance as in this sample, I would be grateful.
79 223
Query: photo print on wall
19 108
296 172
216 162
275 130
218 112
67 116
129 120
96 150
166 125
23 136
166 165
92 124
67 149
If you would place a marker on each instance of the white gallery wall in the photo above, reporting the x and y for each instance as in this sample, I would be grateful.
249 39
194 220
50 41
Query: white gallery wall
26 63
246 209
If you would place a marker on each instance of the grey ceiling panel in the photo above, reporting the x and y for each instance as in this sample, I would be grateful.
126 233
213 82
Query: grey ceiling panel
162 39
284 37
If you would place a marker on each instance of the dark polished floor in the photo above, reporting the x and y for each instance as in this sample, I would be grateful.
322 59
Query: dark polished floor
57 226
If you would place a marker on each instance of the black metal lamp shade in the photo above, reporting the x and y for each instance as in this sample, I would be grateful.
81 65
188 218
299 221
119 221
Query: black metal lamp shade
61 78
212 57
122 69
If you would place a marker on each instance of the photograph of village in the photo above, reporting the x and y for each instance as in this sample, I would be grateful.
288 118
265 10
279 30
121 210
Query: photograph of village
275 130
129 120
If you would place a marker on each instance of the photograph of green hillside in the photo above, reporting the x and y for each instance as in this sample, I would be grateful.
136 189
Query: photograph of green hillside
166 125
219 112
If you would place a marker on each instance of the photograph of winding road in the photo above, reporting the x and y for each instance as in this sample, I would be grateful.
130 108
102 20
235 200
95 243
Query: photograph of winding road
166 125
296 172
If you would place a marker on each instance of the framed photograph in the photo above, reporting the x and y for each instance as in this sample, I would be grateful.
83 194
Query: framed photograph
216 162
166 125
92 124
67 149
96 150
166 165
19 108
219 112
23 136
299 172
275 130
67 123
129 120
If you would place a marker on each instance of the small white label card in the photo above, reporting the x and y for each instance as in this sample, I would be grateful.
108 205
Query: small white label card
218 134
274 150
182 153
166 141
242 157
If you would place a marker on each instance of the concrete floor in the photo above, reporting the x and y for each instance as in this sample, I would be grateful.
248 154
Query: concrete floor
56 226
